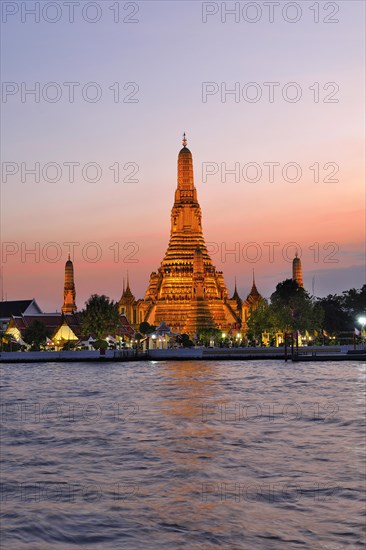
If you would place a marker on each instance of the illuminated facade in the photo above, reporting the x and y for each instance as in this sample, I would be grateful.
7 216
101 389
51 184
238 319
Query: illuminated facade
187 292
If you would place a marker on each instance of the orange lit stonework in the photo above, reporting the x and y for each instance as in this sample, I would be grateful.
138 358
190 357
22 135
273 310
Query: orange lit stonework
187 292
69 305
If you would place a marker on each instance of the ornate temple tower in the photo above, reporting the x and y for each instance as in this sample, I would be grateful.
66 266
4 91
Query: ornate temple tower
127 303
69 305
297 271
187 292
251 303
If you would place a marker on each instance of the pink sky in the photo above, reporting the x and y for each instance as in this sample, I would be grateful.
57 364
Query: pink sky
170 67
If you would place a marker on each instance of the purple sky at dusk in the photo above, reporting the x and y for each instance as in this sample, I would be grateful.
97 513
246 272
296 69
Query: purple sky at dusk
168 54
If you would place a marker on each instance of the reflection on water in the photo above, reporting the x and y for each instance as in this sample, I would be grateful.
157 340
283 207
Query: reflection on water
183 455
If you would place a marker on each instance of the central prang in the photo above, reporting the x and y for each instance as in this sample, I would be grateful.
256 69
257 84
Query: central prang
187 292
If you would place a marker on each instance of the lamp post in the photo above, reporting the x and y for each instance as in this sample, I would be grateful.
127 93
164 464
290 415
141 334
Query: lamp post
362 321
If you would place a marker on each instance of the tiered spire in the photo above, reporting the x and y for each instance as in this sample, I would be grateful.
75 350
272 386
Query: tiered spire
236 296
297 271
126 289
254 291
187 292
69 305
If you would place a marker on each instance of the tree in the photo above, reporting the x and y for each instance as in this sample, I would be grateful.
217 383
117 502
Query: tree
354 302
146 328
260 321
68 346
336 318
36 334
292 309
185 341
286 292
205 335
341 312
100 317
100 344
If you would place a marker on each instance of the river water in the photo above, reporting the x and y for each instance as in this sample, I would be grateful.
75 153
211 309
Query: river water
194 455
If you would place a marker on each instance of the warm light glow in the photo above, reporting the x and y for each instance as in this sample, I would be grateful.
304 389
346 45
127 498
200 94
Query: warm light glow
362 320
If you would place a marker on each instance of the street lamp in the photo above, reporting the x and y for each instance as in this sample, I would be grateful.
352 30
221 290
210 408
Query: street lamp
362 321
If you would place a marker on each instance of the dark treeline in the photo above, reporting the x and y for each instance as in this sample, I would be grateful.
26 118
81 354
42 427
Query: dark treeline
290 309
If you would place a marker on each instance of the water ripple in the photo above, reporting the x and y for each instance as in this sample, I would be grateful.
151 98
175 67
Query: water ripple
183 455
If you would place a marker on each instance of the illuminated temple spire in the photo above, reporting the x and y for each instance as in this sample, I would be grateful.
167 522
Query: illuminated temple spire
253 296
187 292
254 286
297 270
69 305
236 296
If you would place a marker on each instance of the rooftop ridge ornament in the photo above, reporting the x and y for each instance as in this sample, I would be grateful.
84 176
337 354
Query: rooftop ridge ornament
184 141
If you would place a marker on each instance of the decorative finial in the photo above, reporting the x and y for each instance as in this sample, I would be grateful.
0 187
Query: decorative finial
253 277
124 288
184 140
296 253
69 256
235 284
128 280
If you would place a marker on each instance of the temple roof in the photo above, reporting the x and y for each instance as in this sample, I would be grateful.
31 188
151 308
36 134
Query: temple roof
127 294
125 328
16 307
254 290
51 320
236 296
254 295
